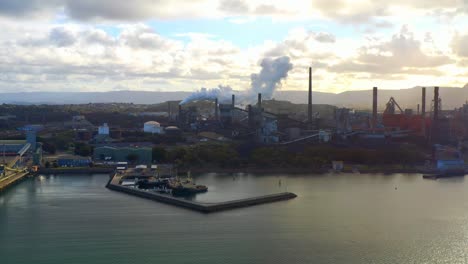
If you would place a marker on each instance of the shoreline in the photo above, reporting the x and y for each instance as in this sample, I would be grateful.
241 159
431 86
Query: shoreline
283 170
93 170
253 170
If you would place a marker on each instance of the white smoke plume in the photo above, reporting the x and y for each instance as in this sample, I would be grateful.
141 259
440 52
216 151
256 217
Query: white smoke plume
223 93
269 78
266 81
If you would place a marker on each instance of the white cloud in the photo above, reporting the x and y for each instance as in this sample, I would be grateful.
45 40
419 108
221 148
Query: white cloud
75 53
402 54
460 45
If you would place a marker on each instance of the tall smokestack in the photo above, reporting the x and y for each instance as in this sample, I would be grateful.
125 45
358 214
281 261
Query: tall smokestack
435 123
436 104
423 103
233 100
180 113
374 108
259 103
216 108
250 115
309 104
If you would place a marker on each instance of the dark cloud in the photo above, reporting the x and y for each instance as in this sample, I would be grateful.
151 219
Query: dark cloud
110 9
98 37
62 37
268 10
234 6
26 7
138 10
325 37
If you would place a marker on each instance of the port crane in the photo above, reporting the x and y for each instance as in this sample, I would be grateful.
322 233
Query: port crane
390 109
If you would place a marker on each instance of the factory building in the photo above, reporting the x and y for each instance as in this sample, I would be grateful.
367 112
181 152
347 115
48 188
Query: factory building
104 129
142 155
12 147
264 124
73 161
268 131
153 127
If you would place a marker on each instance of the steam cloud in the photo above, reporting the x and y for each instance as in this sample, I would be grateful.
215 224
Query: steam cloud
221 92
272 73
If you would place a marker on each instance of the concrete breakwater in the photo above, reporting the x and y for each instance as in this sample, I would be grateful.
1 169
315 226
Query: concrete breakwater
201 207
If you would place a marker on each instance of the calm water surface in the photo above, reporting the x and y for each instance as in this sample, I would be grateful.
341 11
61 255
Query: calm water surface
342 218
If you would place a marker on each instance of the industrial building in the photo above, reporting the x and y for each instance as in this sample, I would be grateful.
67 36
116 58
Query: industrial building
142 155
252 123
13 151
13 147
73 161
394 122
448 159
103 130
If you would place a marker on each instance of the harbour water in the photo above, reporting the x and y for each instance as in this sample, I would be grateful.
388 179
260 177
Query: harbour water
339 218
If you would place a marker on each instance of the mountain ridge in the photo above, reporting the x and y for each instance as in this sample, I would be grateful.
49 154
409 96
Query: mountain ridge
360 99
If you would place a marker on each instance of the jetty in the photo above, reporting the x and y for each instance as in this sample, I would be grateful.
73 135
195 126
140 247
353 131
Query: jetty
114 185
12 179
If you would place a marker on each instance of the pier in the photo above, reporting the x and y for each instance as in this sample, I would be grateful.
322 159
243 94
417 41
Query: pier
197 206
11 179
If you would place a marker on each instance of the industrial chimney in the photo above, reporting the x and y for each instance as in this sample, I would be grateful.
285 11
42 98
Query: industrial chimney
436 104
250 115
309 104
374 108
435 123
233 100
423 103
259 103
216 108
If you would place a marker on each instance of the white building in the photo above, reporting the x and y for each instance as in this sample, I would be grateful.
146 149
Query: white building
103 130
153 127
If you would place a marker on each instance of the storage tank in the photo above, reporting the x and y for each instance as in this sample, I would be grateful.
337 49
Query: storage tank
152 127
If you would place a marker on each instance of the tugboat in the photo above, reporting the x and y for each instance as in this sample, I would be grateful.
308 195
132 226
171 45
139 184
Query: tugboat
186 187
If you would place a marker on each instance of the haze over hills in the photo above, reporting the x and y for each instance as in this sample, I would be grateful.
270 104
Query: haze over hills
407 98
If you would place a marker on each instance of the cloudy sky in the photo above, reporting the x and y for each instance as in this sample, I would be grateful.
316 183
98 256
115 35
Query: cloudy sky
103 45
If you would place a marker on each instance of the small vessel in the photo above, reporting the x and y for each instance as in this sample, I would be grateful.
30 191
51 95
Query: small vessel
443 175
185 187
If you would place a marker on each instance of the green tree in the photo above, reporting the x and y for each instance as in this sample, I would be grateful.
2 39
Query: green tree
83 149
132 157
159 154
49 148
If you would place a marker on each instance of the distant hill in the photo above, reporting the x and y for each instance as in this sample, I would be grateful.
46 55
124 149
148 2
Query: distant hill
407 98
137 97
